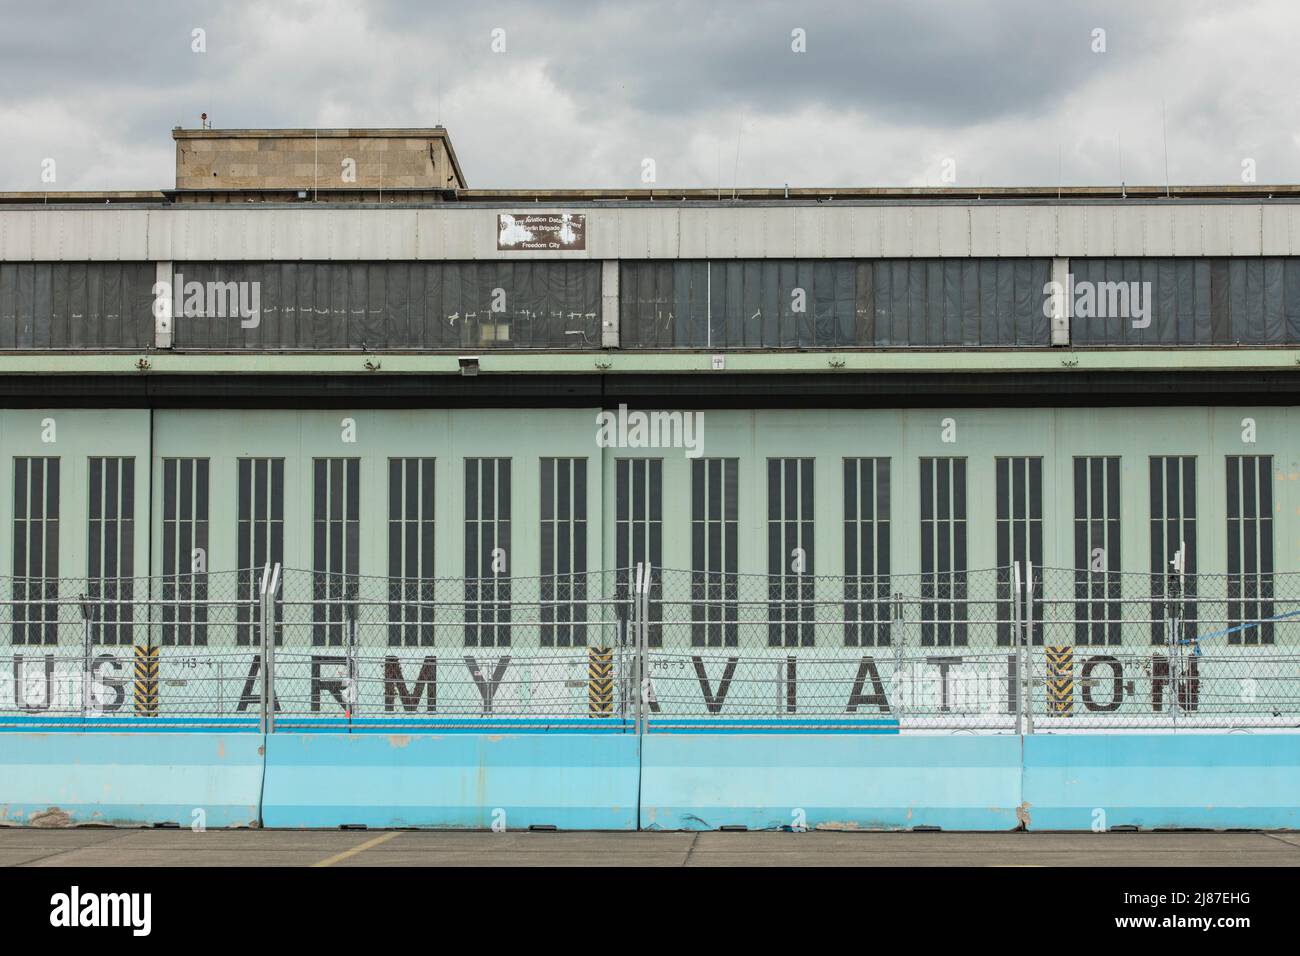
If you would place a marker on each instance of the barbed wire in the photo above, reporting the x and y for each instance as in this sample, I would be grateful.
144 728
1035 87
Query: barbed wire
869 653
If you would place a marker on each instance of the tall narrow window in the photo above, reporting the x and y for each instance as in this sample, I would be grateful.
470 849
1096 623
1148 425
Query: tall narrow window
638 533
1173 530
110 550
1020 539
410 552
1250 548
790 607
1098 610
259 539
943 552
564 552
185 551
36 551
714 539
336 549
487 552
866 552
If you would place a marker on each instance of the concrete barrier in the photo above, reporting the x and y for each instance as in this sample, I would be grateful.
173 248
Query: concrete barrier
130 779
569 781
679 781
1214 781
853 782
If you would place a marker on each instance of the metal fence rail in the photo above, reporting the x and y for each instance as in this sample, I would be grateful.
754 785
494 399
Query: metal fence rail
652 649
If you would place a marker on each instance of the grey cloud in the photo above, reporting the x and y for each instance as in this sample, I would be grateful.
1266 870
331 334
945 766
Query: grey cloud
593 86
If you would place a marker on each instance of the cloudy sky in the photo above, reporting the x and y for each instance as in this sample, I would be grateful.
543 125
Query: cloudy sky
1005 92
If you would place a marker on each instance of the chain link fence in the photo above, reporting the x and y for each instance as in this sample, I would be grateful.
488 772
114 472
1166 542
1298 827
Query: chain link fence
656 650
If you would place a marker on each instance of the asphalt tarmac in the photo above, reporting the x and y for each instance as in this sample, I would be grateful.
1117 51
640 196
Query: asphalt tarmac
95 846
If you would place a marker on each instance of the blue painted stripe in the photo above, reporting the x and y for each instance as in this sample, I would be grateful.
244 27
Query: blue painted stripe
144 722
742 728
451 724
657 721
113 726
466 724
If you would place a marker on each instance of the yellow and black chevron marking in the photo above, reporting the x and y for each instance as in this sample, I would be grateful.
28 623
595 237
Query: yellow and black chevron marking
146 681
600 682
1060 679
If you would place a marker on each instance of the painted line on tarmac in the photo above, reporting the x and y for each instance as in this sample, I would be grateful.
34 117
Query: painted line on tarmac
359 848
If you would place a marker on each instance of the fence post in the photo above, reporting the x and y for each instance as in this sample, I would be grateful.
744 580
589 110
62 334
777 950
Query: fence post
1175 678
620 653
85 656
1175 645
635 635
352 696
262 629
1029 647
269 660
644 645
1016 642
897 635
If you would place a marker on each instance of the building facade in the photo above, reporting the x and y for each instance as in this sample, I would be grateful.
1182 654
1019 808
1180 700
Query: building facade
817 400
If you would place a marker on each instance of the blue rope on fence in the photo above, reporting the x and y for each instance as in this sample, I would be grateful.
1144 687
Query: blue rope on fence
1195 641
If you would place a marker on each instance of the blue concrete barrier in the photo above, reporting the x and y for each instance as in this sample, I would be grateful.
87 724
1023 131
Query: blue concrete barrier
569 781
130 779
856 782
1215 781
682 780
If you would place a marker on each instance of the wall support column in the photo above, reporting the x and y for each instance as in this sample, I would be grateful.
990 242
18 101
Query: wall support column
1061 304
163 319
609 330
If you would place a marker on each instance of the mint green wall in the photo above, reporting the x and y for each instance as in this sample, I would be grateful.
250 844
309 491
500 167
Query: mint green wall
524 435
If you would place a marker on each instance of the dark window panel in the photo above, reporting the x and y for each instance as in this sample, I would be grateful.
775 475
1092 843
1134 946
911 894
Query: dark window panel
867 609
35 551
1098 610
791 613
943 551
487 529
1173 526
410 552
185 518
110 537
714 612
259 538
1250 548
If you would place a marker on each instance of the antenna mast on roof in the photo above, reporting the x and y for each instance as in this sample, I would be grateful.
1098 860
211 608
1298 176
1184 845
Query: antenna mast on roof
1164 135
1119 153
735 172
